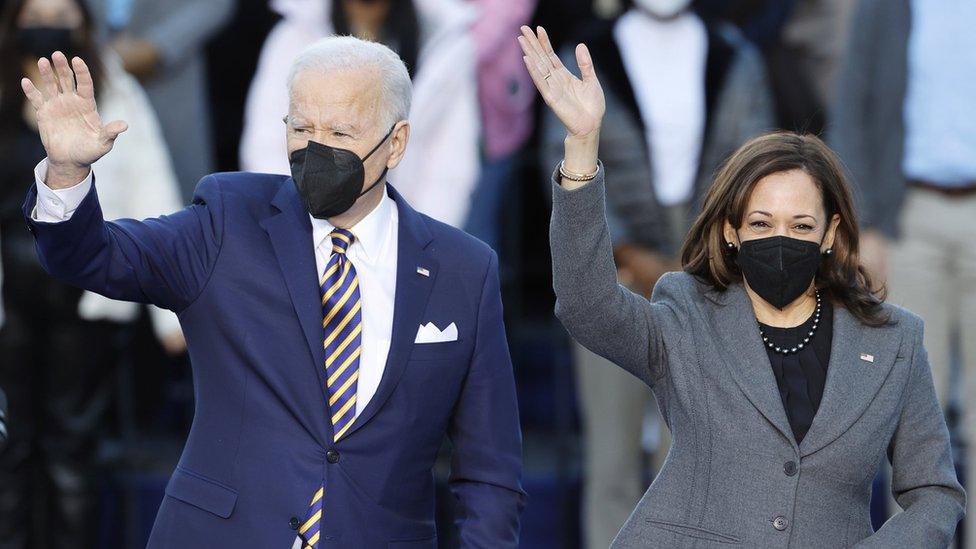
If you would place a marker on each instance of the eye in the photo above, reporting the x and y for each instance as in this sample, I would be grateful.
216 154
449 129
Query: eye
340 135
803 227
759 224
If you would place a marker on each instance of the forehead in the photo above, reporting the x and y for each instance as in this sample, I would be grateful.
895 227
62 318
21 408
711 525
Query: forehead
792 192
345 96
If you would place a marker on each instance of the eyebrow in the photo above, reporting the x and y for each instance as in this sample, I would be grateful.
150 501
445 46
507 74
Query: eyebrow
767 214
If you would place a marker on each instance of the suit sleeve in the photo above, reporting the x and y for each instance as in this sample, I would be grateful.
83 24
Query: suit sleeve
602 315
486 468
923 476
165 261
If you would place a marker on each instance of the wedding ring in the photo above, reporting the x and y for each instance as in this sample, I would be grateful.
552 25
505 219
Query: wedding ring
546 77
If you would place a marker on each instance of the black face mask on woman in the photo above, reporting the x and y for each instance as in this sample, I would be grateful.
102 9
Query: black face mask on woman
43 41
330 179
779 268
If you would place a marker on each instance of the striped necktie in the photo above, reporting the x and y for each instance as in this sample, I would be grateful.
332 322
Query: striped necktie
343 326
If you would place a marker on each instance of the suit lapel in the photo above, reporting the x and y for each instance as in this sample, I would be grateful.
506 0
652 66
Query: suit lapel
748 361
412 292
851 382
290 231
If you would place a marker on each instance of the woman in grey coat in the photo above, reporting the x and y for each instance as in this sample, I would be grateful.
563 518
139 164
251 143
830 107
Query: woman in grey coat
784 380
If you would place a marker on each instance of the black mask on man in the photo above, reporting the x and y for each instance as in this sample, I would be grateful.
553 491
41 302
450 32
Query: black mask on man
43 41
330 179
779 268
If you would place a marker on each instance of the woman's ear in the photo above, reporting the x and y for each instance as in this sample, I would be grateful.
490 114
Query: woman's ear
729 232
828 241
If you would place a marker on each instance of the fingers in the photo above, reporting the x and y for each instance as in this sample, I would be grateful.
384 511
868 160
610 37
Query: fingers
538 78
66 79
49 85
33 94
86 88
536 48
585 63
547 47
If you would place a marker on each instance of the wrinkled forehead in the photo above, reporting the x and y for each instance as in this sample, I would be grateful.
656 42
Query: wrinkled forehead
346 97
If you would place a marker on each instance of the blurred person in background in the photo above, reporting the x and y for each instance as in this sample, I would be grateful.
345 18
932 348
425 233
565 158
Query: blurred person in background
905 125
434 39
161 42
682 93
505 97
58 344
802 42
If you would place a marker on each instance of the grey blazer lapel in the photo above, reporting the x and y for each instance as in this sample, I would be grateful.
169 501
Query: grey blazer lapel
851 381
748 362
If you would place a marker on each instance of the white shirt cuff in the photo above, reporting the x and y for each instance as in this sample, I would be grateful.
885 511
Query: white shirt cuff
57 205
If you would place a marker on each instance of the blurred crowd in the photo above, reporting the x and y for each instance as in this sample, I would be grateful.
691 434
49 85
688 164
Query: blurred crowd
100 391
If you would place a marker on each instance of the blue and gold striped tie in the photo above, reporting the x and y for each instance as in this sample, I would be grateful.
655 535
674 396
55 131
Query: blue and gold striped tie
343 327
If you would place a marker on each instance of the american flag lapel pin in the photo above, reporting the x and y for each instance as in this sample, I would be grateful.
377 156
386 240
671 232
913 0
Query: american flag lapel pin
423 272
867 358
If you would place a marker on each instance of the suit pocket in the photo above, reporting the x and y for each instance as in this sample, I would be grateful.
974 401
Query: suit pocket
202 492
694 532
446 350
429 543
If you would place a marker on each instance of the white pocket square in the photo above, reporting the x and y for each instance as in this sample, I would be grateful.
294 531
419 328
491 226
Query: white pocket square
428 333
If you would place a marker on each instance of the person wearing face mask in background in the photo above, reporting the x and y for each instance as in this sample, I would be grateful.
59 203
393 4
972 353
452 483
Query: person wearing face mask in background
58 346
784 378
336 335
682 94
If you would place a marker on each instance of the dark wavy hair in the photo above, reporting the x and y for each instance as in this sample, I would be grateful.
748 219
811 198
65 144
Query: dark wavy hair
841 276
12 68
400 31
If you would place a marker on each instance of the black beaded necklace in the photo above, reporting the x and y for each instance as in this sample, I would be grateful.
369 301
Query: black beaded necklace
791 350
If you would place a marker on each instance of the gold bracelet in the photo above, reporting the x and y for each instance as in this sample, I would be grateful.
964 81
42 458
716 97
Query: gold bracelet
576 176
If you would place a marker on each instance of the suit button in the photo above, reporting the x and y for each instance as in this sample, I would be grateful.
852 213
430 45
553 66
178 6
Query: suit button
332 456
780 523
294 523
789 468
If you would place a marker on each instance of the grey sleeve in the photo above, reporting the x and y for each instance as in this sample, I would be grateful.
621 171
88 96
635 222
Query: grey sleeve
923 476
188 27
602 315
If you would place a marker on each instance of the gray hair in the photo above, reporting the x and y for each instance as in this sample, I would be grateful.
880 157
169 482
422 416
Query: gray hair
348 53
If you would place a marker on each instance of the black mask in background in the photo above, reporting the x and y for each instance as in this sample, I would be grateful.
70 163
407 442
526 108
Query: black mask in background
43 41
779 268
330 180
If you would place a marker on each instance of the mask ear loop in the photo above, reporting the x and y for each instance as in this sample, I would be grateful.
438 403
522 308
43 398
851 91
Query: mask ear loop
370 153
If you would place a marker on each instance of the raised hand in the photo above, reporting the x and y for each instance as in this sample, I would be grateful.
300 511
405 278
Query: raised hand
577 102
67 119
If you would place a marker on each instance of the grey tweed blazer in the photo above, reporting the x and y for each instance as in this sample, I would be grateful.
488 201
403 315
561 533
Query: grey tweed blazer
735 476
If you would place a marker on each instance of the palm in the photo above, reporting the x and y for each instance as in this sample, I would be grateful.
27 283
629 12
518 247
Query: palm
67 117
577 102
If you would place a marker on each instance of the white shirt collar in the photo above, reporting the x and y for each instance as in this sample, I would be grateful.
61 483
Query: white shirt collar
370 233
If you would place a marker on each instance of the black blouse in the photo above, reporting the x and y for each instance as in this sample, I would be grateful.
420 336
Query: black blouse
801 375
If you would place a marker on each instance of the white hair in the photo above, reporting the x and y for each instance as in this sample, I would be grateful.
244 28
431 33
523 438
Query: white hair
349 53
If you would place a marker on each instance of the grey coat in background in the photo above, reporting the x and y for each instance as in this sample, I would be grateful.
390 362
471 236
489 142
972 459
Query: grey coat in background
178 91
725 481
868 127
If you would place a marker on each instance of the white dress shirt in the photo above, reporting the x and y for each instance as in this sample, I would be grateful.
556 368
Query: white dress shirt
665 62
373 253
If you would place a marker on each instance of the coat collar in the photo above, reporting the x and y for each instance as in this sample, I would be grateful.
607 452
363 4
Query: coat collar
851 381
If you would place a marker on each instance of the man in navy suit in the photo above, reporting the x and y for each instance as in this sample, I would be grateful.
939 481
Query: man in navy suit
336 334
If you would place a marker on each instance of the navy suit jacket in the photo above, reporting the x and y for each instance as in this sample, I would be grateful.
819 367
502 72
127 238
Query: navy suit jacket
238 266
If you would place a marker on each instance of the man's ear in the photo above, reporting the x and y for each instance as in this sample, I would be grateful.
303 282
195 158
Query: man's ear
398 140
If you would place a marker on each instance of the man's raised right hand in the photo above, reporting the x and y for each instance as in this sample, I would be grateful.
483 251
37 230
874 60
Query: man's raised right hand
68 121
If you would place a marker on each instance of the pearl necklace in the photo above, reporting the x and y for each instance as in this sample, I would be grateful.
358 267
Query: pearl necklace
791 350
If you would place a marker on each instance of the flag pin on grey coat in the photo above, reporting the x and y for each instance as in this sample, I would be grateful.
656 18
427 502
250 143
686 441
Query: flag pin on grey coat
423 272
867 358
